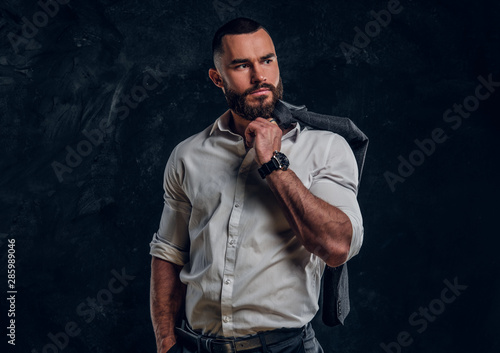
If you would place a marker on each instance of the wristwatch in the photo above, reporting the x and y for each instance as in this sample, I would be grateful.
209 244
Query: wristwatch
278 161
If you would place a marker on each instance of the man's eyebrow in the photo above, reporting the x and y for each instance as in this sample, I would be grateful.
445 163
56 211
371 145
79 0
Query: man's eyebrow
242 61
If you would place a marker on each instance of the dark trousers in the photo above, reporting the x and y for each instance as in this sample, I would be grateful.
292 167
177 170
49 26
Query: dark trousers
305 342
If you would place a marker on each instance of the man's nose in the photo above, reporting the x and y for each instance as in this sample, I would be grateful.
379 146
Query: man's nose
258 75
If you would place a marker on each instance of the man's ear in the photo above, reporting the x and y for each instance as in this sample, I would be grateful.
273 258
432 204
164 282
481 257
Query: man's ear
216 78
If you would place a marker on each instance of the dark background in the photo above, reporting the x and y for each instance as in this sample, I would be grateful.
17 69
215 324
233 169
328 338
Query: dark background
71 234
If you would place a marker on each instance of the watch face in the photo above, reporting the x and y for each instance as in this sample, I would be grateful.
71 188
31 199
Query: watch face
283 161
278 161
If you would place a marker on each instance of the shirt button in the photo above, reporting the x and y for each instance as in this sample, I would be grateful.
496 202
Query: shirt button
226 319
237 205
227 281
231 242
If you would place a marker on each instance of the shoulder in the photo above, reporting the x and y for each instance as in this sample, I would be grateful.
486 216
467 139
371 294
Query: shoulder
326 149
179 159
191 143
328 141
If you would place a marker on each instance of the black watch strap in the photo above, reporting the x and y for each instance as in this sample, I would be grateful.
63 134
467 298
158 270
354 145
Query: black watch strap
268 168
278 161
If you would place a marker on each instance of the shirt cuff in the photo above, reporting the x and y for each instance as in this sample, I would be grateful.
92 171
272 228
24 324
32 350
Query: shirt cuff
357 234
160 249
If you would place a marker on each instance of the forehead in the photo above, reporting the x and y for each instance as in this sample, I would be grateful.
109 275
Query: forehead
247 46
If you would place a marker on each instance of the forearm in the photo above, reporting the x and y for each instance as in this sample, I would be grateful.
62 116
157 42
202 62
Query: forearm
323 229
167 298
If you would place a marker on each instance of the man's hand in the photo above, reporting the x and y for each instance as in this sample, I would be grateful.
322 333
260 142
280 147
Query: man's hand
166 345
265 136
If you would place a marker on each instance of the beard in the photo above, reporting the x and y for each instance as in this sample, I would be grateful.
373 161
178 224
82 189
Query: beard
238 102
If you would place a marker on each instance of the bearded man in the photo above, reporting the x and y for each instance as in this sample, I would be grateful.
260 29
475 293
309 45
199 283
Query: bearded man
254 212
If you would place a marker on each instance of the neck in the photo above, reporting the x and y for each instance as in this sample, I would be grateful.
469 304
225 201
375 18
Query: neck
237 124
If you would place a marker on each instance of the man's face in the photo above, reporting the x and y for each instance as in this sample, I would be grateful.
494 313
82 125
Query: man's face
250 72
242 104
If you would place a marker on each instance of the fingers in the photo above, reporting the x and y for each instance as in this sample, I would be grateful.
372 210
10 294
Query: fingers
249 138
265 136
262 127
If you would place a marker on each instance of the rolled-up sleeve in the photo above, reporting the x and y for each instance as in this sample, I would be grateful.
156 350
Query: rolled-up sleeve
337 184
171 241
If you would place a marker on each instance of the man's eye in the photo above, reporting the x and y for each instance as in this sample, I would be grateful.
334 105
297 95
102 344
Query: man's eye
242 66
268 61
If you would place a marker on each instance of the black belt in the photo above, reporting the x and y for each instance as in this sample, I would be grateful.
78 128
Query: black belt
195 341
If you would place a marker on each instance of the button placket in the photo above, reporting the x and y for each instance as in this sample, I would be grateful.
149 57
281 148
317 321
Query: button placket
233 233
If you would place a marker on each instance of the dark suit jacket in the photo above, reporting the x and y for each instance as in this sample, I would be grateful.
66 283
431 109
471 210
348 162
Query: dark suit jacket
336 304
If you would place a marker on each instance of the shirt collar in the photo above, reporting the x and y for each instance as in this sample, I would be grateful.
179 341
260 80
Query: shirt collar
222 124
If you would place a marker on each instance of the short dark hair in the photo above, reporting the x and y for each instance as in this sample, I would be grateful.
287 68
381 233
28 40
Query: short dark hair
240 25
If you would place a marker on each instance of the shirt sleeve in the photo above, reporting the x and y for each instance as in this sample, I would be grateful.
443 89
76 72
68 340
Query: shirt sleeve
337 184
171 241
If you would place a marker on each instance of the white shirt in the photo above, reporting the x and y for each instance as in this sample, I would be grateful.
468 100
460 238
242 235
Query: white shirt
244 269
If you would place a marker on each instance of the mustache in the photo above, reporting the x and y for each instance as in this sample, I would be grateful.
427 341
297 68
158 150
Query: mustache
262 85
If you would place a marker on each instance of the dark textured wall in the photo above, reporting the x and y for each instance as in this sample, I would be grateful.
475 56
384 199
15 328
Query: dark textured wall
82 205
